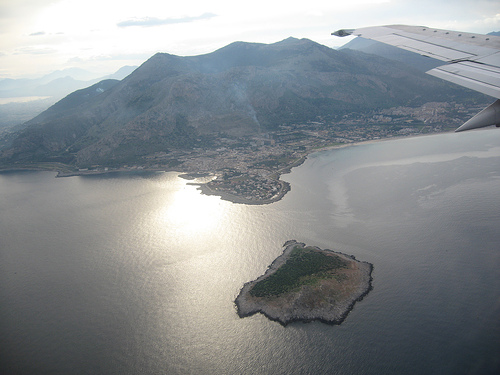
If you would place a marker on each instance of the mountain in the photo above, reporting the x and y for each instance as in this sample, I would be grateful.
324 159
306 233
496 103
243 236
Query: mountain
120 73
177 103
75 73
57 84
23 99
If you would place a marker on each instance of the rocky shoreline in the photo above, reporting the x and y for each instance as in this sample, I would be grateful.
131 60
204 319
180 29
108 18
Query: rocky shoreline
329 302
206 190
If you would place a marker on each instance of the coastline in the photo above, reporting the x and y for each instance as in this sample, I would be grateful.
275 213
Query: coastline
285 186
206 190
118 170
291 307
64 170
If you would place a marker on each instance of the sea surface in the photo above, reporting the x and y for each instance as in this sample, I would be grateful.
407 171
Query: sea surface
136 273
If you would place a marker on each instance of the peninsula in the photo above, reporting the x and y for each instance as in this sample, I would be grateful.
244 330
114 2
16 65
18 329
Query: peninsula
306 283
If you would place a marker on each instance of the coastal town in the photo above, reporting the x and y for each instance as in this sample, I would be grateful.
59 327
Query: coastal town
247 169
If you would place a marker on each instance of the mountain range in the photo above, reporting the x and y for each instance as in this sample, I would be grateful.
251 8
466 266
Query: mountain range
24 98
57 84
172 102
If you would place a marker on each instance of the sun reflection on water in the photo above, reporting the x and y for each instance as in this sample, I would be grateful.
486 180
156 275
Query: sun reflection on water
191 212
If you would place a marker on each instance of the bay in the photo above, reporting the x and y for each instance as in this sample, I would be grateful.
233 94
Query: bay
137 272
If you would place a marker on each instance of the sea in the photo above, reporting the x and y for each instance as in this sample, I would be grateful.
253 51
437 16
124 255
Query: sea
137 273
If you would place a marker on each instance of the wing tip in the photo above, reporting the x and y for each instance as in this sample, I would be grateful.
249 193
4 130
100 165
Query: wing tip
343 32
487 117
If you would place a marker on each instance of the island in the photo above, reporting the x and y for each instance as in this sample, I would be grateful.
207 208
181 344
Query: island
306 283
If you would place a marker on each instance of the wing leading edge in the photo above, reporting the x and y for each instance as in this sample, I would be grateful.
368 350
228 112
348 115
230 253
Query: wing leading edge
473 59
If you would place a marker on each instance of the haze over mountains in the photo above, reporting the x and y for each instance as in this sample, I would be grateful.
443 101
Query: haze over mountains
59 83
23 99
172 102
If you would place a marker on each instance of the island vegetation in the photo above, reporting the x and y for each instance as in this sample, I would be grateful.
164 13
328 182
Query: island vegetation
305 266
306 283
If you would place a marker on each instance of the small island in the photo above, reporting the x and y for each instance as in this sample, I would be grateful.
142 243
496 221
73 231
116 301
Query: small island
306 283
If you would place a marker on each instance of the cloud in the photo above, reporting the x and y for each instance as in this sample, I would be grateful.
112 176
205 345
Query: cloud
153 21
38 33
493 21
34 51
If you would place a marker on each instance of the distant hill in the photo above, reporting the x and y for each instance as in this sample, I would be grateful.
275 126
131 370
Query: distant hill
23 99
172 102
56 84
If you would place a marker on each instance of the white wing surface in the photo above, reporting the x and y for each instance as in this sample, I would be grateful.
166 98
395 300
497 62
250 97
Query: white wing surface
473 59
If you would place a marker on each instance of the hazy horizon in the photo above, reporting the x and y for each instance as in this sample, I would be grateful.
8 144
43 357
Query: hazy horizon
39 37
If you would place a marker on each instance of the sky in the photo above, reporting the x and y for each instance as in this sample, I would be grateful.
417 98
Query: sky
38 37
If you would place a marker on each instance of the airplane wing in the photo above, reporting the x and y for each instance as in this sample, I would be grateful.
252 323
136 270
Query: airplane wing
473 59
